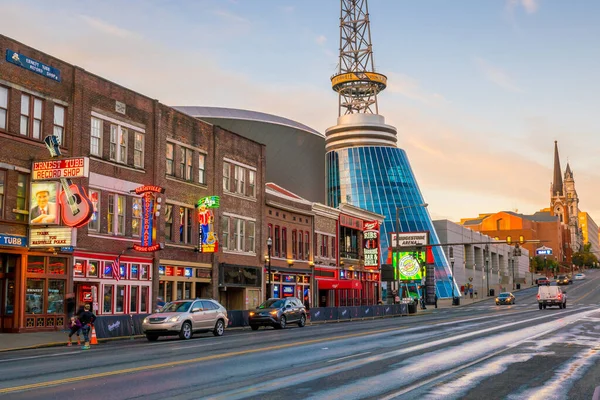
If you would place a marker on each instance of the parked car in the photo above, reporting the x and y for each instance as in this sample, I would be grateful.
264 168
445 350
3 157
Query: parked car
579 277
186 317
543 281
551 296
505 298
278 313
563 280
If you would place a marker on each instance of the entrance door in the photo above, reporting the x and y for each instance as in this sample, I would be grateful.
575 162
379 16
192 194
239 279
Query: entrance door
8 268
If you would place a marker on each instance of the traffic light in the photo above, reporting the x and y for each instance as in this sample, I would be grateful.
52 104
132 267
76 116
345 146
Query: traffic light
517 249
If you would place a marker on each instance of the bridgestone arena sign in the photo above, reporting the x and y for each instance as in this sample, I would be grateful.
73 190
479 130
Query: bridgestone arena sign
410 239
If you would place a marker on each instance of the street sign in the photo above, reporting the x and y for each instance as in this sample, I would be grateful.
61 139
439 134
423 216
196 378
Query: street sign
543 251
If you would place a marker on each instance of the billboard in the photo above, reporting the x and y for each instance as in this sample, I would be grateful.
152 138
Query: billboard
408 265
44 205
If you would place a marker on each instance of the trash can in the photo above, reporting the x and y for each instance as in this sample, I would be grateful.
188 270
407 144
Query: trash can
518 286
456 301
412 307
492 292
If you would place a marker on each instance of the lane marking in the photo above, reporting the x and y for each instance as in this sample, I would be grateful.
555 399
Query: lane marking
353 355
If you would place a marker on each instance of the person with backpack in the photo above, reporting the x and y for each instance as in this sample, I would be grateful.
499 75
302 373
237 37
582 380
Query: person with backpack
87 318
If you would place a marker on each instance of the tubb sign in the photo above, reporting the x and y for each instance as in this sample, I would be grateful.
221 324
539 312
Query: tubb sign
66 168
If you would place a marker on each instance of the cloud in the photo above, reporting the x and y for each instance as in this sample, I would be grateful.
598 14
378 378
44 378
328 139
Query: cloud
231 17
496 75
107 28
410 87
321 39
530 6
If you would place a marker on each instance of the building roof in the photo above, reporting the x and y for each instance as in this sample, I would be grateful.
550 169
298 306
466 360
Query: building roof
247 115
540 216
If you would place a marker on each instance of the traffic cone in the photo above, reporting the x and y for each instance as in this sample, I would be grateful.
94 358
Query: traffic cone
93 339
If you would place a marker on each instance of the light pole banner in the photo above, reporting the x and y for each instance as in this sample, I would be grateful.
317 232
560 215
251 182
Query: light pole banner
409 239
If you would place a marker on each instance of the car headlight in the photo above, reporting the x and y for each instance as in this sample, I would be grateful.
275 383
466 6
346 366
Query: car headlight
274 312
174 319
497 299
251 313
145 321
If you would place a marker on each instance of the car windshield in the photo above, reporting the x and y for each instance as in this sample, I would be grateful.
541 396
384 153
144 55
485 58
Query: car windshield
561 277
177 306
272 303
504 295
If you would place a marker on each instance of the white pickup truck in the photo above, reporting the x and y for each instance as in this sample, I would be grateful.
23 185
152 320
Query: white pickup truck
551 296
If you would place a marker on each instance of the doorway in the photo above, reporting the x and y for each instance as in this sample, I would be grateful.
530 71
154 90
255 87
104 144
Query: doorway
8 268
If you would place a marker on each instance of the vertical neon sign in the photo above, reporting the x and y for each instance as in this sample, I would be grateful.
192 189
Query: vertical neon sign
149 199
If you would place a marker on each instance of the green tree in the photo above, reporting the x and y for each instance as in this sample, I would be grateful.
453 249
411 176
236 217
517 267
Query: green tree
585 257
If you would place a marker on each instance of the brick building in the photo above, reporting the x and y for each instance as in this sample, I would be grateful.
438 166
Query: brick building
119 134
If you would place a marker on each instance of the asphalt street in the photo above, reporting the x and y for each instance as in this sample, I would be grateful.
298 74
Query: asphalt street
478 351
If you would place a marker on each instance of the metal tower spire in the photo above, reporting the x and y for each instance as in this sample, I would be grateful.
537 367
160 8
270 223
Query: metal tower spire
356 82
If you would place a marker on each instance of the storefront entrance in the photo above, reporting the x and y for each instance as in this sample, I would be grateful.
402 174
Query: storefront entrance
8 267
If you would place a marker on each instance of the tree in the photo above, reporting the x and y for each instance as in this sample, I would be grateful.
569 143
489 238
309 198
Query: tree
585 257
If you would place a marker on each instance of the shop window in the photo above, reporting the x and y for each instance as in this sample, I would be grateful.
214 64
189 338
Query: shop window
277 241
57 266
107 272
225 232
251 233
96 137
133 299
108 299
2 185
144 271
22 186
9 300
284 248
202 168
56 295
170 159
93 266
138 149
35 265
118 144
94 224
3 108
123 271
136 216
34 296
79 268
120 297
116 205
307 246
134 273
169 222
144 299
252 183
179 295
59 124
226 176
169 291
185 164
187 290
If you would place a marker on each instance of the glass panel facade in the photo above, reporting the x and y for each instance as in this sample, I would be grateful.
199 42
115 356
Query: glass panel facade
379 179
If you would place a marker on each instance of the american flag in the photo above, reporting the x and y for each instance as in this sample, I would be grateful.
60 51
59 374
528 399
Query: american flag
116 269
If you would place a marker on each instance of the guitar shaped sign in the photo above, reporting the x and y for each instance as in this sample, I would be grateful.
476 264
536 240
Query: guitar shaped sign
76 207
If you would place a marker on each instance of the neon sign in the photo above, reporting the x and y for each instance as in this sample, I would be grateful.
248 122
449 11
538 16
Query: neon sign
371 244
208 242
148 218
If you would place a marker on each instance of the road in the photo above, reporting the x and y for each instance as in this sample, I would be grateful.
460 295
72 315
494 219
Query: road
479 351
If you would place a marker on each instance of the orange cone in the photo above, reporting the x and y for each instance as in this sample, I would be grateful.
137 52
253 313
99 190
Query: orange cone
93 339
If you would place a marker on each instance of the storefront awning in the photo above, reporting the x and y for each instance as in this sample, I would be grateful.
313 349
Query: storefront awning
339 284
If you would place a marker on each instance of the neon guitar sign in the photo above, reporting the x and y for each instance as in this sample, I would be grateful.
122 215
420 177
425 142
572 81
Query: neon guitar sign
76 208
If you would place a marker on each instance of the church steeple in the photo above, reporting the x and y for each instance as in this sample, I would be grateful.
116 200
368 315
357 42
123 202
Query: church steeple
568 172
557 182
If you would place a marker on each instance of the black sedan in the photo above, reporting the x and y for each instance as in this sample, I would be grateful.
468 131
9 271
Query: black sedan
505 298
278 313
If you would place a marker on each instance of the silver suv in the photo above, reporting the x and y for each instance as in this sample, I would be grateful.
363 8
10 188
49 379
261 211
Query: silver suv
186 317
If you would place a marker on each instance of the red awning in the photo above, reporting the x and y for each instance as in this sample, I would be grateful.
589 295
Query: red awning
339 284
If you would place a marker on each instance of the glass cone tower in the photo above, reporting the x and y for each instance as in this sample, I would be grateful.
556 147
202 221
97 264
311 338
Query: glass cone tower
364 166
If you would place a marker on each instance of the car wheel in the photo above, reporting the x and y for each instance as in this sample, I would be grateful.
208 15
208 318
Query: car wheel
219 328
151 338
540 306
254 327
302 321
282 323
186 331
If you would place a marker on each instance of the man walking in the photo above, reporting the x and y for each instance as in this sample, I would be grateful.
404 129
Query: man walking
87 318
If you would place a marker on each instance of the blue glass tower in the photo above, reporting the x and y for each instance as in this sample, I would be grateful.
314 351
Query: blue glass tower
365 168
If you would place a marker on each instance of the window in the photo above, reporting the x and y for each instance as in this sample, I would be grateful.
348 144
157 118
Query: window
144 299
136 217
277 242
294 244
238 179
116 206
34 300
2 183
325 253
24 129
135 271
120 297
250 231
59 123
169 222
284 252
185 164
252 183
93 267
118 144
185 225
133 303
22 196
315 243
170 159
238 234
333 251
144 271
300 245
56 296
306 246
96 137
31 122
3 108
94 224
201 168
225 234
226 176
108 297
138 149
37 118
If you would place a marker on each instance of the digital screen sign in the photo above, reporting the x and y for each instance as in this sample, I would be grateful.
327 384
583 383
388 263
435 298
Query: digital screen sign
408 265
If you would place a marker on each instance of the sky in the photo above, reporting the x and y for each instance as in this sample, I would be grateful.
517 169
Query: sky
478 90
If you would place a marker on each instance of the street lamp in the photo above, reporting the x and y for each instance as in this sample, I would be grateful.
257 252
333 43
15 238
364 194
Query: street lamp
269 246
451 255
487 268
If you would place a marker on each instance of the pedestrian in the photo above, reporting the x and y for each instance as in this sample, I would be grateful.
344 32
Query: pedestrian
435 299
87 318
70 305
75 325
